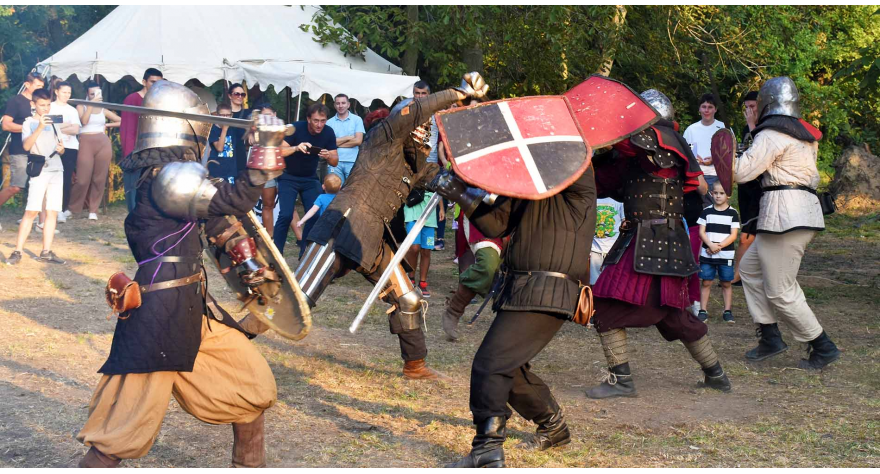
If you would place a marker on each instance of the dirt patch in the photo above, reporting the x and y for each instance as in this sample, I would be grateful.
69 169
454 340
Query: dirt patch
342 401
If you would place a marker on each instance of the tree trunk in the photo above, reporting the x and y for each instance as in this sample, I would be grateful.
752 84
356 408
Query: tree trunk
720 114
608 57
411 55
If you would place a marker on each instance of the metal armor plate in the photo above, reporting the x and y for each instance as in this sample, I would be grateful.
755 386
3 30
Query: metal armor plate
723 158
278 302
528 148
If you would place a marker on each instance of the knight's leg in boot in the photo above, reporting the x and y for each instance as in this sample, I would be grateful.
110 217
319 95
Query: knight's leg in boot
703 352
487 448
248 446
619 381
552 431
770 343
823 351
455 309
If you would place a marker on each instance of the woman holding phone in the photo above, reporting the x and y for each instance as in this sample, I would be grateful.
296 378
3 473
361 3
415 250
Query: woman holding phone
95 154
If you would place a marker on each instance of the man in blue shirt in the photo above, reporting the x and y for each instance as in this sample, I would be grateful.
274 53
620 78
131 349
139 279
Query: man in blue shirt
349 130
311 140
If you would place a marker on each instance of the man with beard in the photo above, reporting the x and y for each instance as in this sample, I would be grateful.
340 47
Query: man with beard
392 161
178 341
643 281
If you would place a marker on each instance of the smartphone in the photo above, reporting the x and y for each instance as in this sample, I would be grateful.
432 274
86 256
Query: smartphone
56 118
315 150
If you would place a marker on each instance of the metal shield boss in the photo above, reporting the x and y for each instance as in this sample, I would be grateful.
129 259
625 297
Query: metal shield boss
723 152
608 111
528 148
278 302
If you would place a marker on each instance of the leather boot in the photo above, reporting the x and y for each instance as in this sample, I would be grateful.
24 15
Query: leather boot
96 459
822 352
418 370
769 344
248 448
454 309
552 431
488 445
716 378
618 383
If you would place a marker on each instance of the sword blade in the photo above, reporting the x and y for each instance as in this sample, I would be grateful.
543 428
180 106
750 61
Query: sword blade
395 261
231 122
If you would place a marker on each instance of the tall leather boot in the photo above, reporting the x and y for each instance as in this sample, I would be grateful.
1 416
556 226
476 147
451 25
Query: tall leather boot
488 446
552 430
769 344
418 370
454 309
96 459
618 383
248 446
822 352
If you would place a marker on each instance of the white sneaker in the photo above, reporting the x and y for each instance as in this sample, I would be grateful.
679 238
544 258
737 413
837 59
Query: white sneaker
67 213
62 217
39 228
93 216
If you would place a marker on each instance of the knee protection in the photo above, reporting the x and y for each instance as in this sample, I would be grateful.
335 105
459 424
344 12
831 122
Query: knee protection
408 312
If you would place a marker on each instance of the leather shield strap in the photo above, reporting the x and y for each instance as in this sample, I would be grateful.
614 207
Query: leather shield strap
164 285
221 239
549 274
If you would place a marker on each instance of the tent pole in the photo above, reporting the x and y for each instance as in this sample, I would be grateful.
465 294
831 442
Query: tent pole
300 98
287 105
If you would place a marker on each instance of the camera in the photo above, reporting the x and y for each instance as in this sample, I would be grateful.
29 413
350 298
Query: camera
56 118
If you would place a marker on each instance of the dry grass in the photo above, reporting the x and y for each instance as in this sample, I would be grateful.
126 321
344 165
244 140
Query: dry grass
342 401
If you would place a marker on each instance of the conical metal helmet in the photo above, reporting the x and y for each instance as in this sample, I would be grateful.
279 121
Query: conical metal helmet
159 132
660 102
779 96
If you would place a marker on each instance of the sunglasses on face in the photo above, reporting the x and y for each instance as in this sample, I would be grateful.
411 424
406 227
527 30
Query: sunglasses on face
239 94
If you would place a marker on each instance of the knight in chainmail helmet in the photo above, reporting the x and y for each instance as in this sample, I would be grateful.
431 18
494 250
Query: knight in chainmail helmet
644 278
178 341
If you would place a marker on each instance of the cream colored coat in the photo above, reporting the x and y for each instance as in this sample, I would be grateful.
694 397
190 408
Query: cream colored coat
786 161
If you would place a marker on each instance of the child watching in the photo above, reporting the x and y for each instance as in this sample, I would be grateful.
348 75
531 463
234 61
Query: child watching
719 224
332 183
424 244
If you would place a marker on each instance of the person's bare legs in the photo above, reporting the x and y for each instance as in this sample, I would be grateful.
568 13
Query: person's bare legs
425 264
297 230
49 229
412 256
705 289
24 229
727 294
269 211
8 193
745 241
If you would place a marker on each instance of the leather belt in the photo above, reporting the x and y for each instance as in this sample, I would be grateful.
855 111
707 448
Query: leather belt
796 187
175 259
164 285
549 274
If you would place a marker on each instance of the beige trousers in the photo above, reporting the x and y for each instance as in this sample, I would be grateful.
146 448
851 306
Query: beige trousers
231 382
92 168
769 271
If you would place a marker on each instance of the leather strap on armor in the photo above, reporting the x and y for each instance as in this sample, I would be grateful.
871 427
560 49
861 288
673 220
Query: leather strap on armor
548 274
173 283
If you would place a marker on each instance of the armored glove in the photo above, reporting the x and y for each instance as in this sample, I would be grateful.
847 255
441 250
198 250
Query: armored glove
266 155
454 189
473 86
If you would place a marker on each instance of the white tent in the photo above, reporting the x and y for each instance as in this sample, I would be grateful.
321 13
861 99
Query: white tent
260 44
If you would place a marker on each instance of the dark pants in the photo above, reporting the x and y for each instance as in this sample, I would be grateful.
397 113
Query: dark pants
288 188
673 323
68 159
501 372
129 184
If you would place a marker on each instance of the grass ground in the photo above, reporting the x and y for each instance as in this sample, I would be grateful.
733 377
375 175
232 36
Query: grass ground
342 401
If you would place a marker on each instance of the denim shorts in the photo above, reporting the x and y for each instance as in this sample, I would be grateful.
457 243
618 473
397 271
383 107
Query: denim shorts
708 271
425 239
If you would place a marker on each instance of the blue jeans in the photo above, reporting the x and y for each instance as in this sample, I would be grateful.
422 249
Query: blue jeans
129 184
288 188
342 170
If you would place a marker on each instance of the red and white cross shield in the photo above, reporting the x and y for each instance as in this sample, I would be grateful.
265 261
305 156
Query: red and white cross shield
529 148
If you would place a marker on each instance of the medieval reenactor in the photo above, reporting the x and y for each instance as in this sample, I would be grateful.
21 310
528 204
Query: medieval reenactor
178 341
477 279
354 232
783 156
643 281
543 281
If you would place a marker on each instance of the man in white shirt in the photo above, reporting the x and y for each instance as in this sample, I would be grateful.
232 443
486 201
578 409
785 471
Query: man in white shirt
699 137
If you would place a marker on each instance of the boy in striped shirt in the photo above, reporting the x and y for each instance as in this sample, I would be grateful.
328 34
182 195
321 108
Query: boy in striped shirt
719 225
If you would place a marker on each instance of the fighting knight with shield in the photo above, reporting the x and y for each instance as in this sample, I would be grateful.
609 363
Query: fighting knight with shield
354 234
171 337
